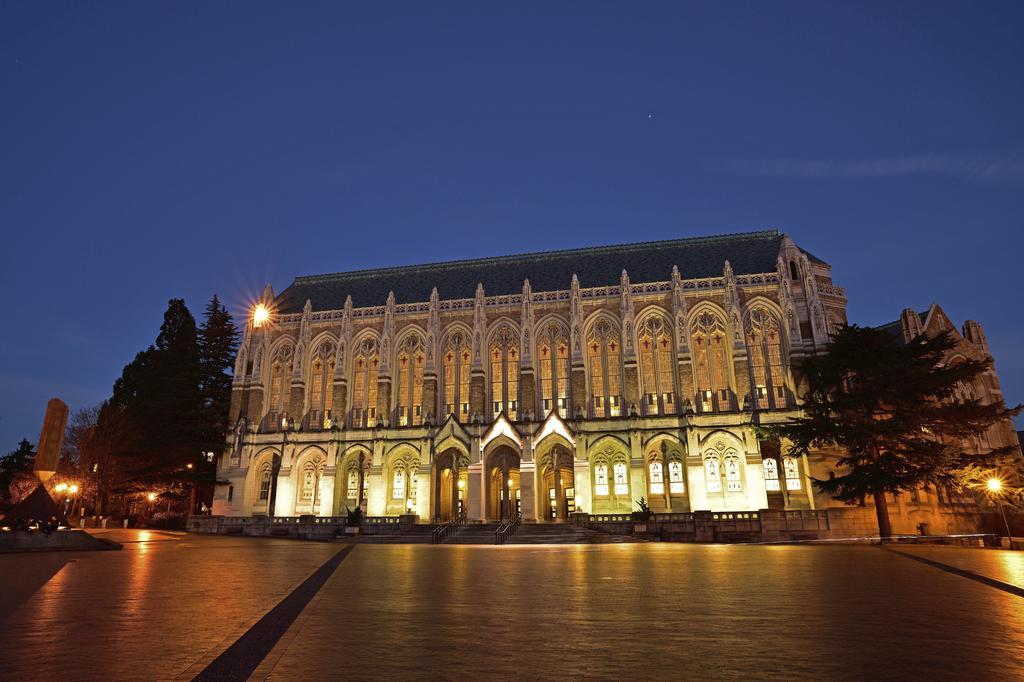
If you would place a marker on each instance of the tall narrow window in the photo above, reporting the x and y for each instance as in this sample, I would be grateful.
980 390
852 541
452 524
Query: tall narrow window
352 487
605 370
265 483
409 381
656 360
712 474
621 478
601 479
280 375
792 470
398 485
764 346
710 362
457 361
771 473
364 384
553 352
504 357
676 486
657 478
732 473
321 381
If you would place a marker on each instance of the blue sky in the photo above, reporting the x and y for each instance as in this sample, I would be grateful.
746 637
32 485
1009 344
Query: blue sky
158 150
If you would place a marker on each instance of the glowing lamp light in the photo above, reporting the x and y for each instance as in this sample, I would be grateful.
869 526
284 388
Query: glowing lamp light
73 488
260 314
189 465
151 497
61 487
462 484
994 485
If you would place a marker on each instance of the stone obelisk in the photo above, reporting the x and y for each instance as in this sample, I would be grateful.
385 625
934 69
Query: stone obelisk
51 438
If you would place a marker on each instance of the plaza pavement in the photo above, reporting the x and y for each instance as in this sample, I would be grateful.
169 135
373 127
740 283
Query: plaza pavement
171 606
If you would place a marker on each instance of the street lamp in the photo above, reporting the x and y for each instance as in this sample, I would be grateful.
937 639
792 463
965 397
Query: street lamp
995 486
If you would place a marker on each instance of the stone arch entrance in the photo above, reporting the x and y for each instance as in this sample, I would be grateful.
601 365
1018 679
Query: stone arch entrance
558 489
502 484
450 482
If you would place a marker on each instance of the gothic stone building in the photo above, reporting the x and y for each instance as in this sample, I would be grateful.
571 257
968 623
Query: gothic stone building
539 384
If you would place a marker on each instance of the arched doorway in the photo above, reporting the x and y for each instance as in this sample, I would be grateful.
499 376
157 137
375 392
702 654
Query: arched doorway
503 494
450 481
559 487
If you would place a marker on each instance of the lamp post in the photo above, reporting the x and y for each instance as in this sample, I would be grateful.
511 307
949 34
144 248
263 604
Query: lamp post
995 487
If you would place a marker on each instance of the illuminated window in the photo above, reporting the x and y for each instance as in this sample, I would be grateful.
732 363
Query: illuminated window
364 384
265 483
601 479
764 345
792 471
712 474
321 380
504 362
621 480
708 339
398 485
771 473
656 361
280 376
675 477
553 351
732 473
409 381
309 493
603 353
457 359
657 479
352 489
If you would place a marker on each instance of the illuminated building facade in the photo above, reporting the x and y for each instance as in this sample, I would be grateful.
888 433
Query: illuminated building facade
540 384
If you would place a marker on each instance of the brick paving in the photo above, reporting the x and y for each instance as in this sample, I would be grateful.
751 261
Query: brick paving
168 605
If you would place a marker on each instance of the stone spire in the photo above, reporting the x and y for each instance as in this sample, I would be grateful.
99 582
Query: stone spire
433 328
679 308
732 305
575 319
628 317
479 327
344 339
387 335
526 322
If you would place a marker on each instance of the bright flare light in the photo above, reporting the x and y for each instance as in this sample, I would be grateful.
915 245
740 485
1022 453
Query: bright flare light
73 488
61 487
151 496
994 485
260 314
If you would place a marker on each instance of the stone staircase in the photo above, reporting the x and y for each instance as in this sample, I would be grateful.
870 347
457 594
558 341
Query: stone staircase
473 534
483 534
563 534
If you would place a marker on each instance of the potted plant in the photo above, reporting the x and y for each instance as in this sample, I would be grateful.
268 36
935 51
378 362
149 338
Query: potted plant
353 519
641 516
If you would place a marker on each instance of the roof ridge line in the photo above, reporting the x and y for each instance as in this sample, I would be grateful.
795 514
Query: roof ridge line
771 232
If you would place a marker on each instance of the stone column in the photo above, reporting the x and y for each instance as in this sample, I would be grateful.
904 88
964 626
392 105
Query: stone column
559 493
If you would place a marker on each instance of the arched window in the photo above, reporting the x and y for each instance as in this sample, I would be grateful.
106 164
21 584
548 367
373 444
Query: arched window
657 478
792 271
605 370
676 486
732 473
601 479
352 484
409 381
309 486
764 345
364 384
321 381
712 474
792 471
771 473
710 362
265 483
398 485
504 357
280 375
457 361
553 350
656 361
621 478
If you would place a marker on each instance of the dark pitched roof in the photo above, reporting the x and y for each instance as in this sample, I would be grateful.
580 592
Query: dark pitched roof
749 252
896 328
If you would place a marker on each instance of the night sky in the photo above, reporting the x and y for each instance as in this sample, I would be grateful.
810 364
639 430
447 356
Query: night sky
177 149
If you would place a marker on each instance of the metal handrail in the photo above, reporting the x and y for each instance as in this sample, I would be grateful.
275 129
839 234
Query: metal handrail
505 530
441 533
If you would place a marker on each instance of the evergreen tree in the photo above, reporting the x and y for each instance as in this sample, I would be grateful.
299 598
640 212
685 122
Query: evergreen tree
218 344
18 461
892 410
